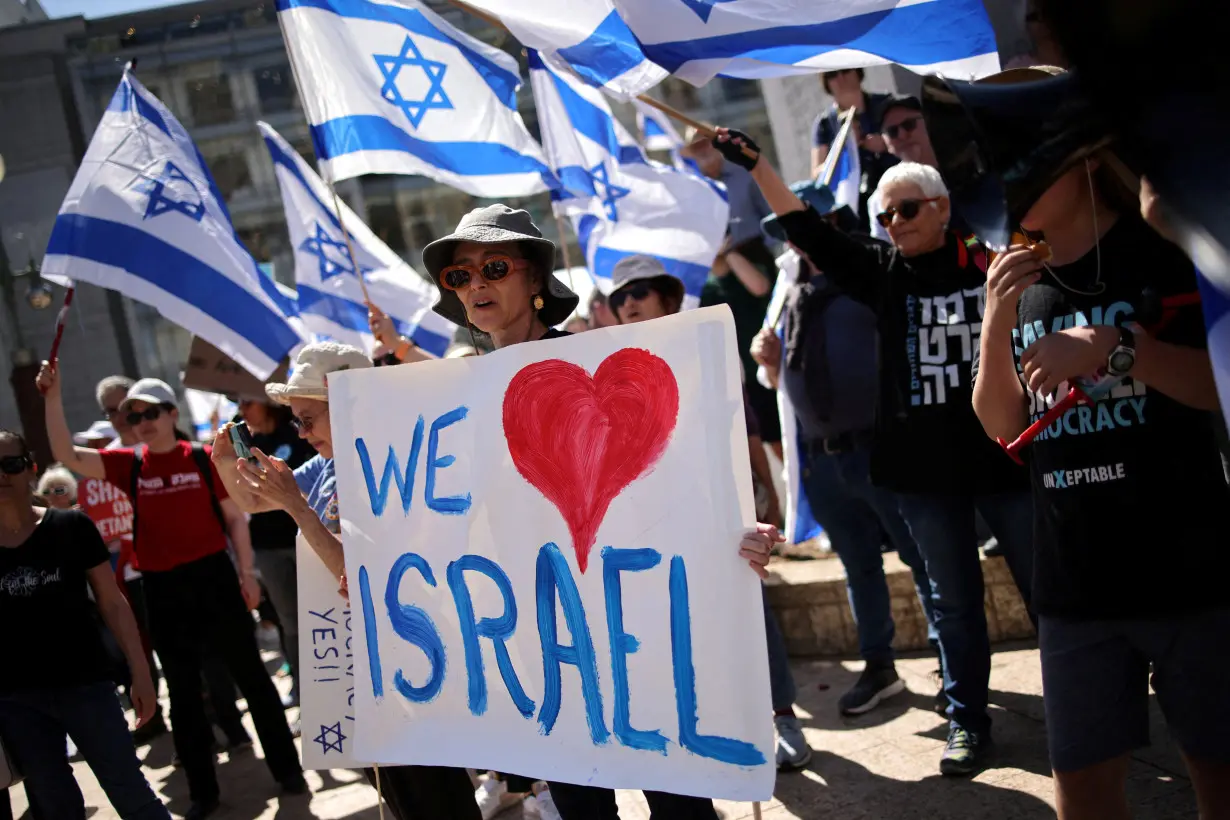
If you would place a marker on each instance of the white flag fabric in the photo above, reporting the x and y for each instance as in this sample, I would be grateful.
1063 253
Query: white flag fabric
586 34
330 297
847 174
621 203
209 411
698 39
658 133
144 217
391 88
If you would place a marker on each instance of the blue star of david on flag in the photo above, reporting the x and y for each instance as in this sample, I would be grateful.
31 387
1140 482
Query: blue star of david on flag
160 190
609 193
410 56
704 8
331 264
330 738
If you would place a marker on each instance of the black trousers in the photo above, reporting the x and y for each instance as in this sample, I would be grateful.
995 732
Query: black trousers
426 792
197 610
593 803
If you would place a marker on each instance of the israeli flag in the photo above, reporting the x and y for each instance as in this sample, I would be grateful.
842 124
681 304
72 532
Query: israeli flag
658 133
621 203
208 411
330 297
391 88
847 174
587 35
801 525
698 39
143 217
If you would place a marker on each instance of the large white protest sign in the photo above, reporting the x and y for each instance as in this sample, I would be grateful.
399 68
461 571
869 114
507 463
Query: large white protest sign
542 550
326 666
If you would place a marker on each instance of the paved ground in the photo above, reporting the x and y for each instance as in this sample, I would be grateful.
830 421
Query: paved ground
881 765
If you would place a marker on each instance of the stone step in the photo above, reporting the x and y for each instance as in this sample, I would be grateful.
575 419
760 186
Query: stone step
809 598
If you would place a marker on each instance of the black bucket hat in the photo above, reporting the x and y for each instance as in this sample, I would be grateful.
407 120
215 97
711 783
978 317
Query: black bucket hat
646 268
489 226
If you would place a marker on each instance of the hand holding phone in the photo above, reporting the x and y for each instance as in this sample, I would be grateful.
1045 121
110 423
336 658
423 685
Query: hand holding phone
241 439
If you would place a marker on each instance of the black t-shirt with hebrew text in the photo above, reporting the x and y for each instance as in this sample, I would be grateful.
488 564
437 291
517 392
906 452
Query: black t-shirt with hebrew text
1131 507
52 638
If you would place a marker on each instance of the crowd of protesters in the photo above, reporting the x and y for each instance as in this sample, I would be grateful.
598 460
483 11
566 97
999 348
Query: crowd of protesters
898 446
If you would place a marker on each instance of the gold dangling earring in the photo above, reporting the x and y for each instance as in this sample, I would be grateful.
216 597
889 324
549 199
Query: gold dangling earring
538 303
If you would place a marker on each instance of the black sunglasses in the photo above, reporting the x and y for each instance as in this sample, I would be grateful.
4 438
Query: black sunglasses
50 491
16 465
636 290
148 414
903 127
908 209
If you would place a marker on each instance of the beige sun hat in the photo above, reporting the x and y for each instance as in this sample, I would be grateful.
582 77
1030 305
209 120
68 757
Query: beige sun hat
308 378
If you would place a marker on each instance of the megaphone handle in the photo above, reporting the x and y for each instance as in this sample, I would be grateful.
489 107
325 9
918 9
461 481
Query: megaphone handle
1075 396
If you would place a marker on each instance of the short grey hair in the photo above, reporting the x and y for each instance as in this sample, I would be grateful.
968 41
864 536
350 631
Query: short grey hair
111 383
58 474
925 177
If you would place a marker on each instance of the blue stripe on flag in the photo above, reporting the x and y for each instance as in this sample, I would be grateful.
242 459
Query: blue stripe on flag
126 98
610 51
372 133
179 274
433 343
353 316
503 83
918 34
280 158
692 274
587 118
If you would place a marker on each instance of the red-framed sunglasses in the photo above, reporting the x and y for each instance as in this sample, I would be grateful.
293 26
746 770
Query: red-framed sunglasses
908 209
493 269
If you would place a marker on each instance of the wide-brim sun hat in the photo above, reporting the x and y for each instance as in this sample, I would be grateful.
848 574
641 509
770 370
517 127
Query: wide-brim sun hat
309 377
642 267
150 391
489 226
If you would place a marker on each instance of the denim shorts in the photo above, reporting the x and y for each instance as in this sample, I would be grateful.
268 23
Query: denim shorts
1096 677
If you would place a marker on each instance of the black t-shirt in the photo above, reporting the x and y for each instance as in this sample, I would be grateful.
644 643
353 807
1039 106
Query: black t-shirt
52 635
276 529
1131 506
929 315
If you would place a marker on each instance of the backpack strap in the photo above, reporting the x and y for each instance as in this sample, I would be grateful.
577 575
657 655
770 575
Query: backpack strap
206 470
132 492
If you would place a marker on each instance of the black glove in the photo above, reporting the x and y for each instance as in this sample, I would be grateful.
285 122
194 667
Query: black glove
735 153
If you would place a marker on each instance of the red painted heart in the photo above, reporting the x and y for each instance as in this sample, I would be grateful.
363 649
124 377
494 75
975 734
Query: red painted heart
581 441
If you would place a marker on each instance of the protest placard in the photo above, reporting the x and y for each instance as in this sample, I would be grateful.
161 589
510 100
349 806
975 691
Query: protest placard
326 666
542 553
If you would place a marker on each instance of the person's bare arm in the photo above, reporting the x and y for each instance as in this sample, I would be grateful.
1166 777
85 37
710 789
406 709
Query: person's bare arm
81 460
241 541
819 153
764 474
999 397
766 350
117 614
279 488
1182 373
748 274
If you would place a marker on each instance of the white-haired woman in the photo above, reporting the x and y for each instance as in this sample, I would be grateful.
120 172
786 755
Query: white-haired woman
927 290
57 487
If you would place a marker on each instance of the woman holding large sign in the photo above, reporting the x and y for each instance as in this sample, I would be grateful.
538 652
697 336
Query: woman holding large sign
495 274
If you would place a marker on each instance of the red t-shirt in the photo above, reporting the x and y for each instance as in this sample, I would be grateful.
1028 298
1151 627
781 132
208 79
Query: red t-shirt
176 523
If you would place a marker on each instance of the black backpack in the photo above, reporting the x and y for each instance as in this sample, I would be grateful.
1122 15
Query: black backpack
201 459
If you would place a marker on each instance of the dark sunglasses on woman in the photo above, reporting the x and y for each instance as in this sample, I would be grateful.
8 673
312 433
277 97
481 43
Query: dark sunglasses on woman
637 291
908 209
903 127
493 269
148 414
16 465
57 491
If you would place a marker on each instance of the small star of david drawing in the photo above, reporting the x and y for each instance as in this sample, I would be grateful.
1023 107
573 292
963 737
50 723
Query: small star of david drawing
172 191
609 193
410 56
332 262
704 8
330 738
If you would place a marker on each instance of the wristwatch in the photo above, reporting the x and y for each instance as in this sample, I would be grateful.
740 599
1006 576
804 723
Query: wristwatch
1123 355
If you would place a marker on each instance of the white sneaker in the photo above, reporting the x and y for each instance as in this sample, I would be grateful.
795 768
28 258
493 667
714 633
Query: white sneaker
541 807
793 753
493 797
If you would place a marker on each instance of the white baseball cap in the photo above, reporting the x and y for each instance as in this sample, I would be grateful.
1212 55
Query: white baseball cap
313 364
98 431
150 391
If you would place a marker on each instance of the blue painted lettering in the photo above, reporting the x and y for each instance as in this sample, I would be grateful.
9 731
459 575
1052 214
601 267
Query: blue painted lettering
414 625
554 579
452 505
499 630
405 482
622 644
373 640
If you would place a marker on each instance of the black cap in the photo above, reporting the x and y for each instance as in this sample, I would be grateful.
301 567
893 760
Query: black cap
896 101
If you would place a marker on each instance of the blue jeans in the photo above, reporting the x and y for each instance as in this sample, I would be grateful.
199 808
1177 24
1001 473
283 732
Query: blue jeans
34 723
856 515
943 526
781 679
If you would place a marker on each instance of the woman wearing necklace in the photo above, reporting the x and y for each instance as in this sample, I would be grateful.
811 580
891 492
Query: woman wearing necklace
54 680
927 292
495 274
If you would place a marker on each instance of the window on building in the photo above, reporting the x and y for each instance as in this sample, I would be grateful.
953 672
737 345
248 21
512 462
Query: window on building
679 94
733 89
275 86
209 100
304 149
229 167
385 222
